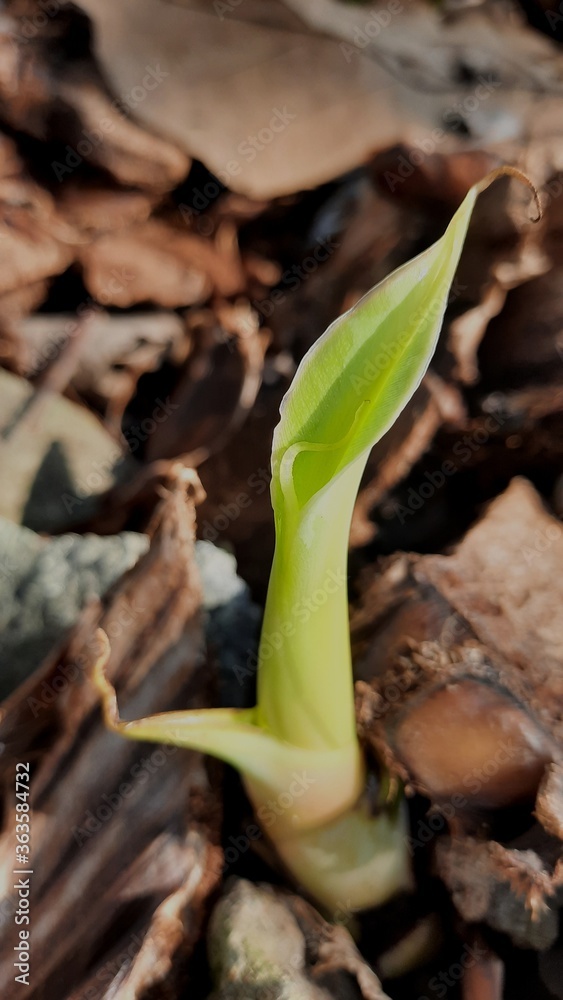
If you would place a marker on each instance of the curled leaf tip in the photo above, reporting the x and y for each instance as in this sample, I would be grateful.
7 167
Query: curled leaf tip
507 170
104 688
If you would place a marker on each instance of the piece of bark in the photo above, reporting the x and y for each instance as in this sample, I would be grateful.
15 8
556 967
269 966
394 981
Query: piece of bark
507 889
124 835
471 599
463 655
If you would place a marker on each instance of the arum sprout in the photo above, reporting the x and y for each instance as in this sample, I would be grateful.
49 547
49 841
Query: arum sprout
298 750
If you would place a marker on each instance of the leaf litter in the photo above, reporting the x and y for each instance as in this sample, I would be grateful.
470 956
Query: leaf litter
159 286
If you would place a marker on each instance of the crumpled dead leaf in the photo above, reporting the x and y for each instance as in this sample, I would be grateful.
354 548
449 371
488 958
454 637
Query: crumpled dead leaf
549 801
218 385
394 456
94 208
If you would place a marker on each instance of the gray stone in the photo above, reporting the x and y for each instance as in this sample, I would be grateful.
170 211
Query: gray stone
256 948
45 584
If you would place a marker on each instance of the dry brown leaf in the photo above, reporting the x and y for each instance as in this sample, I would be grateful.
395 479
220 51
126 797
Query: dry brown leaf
58 458
249 82
524 344
137 266
111 357
394 456
96 208
504 580
436 178
35 243
549 801
218 385
67 98
347 80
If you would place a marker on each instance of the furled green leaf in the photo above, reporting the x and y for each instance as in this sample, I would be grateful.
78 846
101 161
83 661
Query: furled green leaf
348 391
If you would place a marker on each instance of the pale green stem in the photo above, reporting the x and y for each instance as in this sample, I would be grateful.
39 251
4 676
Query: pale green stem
305 683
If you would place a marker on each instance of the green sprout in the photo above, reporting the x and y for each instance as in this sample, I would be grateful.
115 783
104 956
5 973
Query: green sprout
299 744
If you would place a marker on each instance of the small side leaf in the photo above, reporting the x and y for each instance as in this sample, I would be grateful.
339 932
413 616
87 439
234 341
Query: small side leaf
270 768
